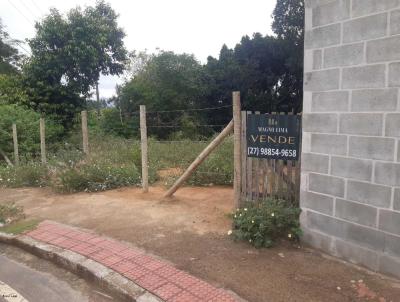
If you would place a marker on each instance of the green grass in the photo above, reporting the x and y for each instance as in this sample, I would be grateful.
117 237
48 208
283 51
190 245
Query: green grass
20 227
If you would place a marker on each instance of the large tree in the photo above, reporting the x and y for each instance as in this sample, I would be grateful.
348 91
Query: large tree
165 81
268 70
9 55
288 25
68 55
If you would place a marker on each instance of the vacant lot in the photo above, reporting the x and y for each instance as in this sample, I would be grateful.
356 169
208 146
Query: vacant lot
190 231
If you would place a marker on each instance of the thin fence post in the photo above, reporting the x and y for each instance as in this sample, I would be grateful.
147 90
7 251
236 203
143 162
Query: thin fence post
143 137
15 140
85 136
237 124
42 141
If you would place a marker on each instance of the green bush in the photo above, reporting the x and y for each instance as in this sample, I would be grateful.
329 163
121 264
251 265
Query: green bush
262 223
25 175
27 122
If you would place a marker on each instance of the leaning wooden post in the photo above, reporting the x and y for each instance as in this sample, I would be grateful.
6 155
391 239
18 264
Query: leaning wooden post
143 137
42 140
237 122
85 136
15 140
202 156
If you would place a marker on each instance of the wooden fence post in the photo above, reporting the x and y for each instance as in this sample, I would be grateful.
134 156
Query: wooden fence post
143 137
15 140
85 136
42 140
237 124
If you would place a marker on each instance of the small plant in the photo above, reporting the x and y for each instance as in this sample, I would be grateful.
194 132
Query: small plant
262 223
10 212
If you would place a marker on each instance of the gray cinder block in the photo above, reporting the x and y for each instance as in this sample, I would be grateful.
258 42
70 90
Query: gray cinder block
372 147
322 36
344 55
351 168
326 184
331 101
356 212
329 144
365 28
371 76
361 123
368 193
321 122
316 202
368 100
321 80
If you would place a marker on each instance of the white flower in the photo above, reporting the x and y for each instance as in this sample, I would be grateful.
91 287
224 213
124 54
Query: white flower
252 221
273 214
250 240
289 235
230 232
235 216
245 209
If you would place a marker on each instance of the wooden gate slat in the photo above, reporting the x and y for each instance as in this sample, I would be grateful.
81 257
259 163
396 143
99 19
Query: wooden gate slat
244 156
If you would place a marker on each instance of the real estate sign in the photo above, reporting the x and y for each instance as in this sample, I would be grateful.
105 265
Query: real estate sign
273 136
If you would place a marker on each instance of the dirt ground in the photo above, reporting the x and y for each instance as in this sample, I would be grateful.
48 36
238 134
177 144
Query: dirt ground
191 232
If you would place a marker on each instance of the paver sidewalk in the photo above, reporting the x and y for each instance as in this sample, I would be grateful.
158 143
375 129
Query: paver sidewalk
154 275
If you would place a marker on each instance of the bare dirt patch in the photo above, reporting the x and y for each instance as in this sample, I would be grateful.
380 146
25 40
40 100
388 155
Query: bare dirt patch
190 231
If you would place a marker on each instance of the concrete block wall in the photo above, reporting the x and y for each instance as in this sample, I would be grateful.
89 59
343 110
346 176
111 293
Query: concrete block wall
350 186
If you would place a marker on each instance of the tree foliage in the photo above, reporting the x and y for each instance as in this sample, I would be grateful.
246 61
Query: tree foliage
167 81
68 55
27 122
9 55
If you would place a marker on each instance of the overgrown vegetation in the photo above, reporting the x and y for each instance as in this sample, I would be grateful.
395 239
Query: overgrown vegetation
10 212
116 162
263 223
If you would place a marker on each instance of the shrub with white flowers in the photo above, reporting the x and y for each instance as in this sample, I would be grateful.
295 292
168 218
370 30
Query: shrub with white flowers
262 223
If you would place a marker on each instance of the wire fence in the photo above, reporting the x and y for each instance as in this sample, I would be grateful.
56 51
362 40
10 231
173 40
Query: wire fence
176 137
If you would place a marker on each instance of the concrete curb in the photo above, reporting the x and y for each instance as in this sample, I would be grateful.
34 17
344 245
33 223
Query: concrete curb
105 278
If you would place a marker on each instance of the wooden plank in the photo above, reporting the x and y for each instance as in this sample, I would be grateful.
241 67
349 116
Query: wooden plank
264 179
15 141
42 141
144 150
85 136
289 169
237 124
244 156
249 174
298 167
256 175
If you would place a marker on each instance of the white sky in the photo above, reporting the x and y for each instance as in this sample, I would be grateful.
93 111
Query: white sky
200 27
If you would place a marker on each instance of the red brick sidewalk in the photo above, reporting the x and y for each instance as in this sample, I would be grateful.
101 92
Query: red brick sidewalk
157 277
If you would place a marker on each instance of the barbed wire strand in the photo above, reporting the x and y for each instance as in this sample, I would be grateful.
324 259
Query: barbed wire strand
189 110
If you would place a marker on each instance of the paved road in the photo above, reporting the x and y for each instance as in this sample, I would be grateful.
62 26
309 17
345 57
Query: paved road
24 277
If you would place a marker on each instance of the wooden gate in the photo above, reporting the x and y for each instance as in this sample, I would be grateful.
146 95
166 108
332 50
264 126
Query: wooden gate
262 178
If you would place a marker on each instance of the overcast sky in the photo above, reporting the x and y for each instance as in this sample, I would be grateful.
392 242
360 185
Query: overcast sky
200 27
